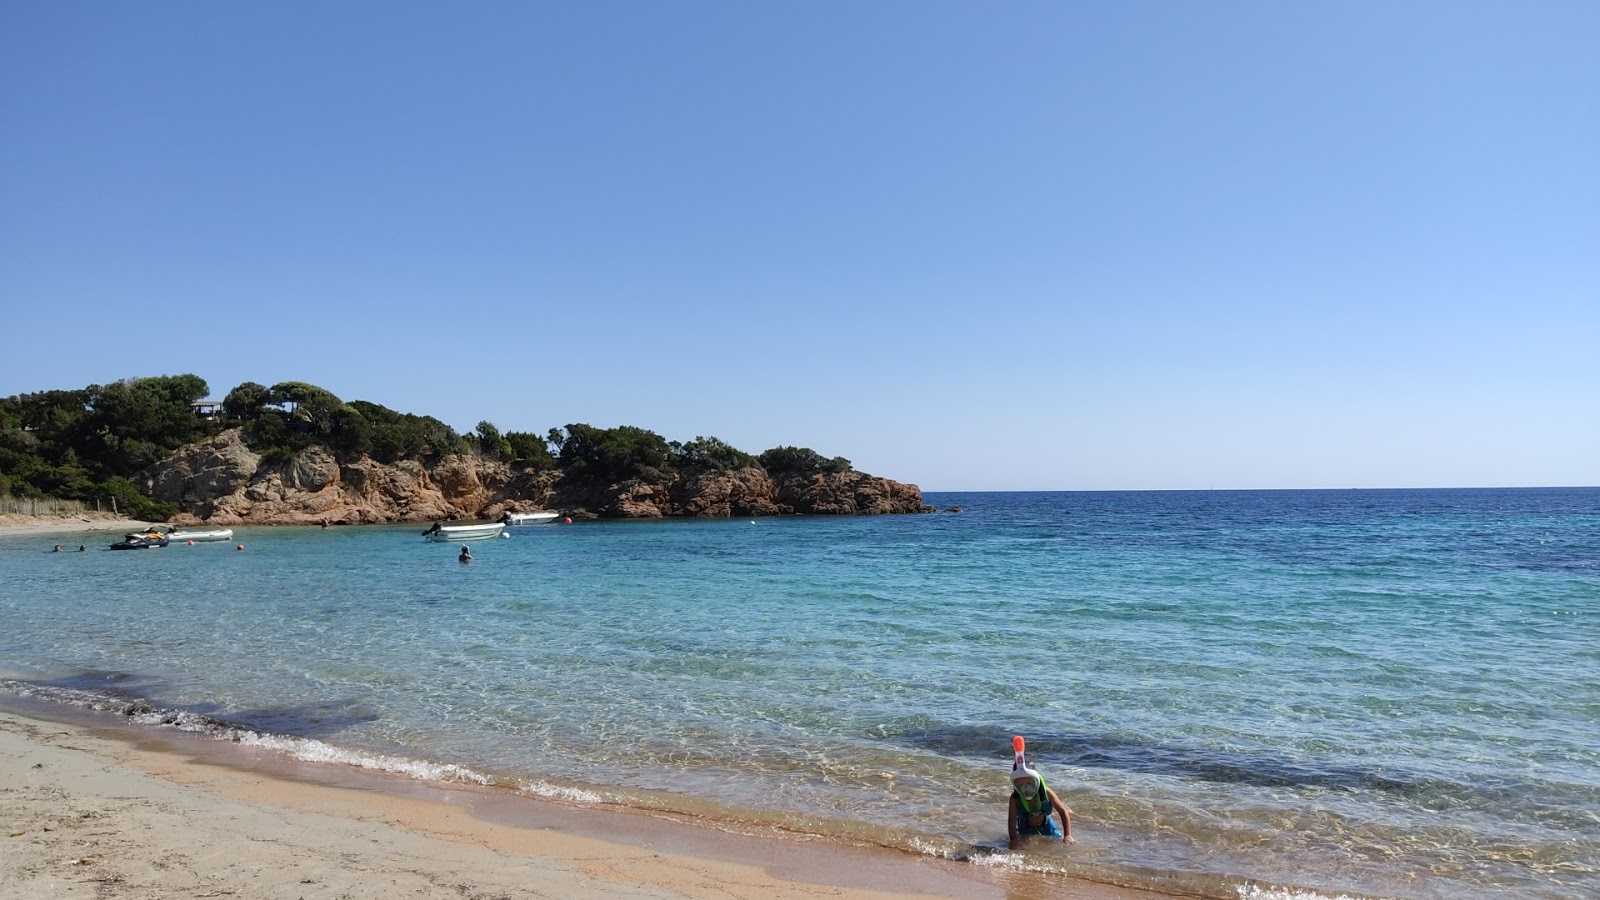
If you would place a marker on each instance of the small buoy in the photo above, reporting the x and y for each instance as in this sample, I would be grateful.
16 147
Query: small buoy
240 547
191 543
566 521
506 536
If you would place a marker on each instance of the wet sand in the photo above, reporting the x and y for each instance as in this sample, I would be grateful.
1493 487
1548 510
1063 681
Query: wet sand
91 806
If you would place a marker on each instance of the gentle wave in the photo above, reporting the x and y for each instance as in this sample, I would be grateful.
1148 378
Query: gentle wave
304 749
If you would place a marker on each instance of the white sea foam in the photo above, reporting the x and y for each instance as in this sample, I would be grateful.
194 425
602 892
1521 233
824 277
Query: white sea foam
1256 892
319 752
312 750
1003 859
936 850
306 749
558 792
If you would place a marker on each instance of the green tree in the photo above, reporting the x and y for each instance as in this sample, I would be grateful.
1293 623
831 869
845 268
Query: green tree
711 453
310 405
801 460
244 403
135 422
531 448
352 435
491 444
134 504
54 420
615 454
396 436
276 435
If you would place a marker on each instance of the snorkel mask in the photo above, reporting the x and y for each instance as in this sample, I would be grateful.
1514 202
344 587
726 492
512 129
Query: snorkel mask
1023 778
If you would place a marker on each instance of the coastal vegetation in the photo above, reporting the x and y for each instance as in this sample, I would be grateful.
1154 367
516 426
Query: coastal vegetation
92 443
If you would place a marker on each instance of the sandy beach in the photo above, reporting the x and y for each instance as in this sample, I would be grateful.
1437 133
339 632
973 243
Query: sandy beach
12 524
114 810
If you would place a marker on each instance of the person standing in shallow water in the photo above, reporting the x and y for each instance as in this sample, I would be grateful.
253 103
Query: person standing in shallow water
1032 802
466 554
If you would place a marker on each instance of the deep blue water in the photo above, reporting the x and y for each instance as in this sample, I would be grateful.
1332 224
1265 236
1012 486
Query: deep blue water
1386 692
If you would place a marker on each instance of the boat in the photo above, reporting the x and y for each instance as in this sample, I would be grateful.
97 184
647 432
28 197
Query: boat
445 534
141 540
201 535
529 518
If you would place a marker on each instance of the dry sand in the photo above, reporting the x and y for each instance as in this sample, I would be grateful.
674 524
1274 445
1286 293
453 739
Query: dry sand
114 811
65 526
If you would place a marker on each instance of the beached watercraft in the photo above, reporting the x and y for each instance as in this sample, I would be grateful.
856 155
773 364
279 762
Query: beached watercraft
448 533
529 518
141 541
199 535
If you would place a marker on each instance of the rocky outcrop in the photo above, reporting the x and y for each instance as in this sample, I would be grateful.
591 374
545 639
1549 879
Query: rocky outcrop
848 493
221 481
720 495
203 472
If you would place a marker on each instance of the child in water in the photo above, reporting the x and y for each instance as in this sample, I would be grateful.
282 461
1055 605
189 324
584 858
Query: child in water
1032 802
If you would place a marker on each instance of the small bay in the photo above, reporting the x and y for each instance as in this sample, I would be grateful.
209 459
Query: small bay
1380 692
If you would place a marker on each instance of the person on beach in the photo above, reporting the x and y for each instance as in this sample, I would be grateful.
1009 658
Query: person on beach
466 554
1032 802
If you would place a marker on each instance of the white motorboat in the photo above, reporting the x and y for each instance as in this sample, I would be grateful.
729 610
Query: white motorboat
200 535
445 534
529 518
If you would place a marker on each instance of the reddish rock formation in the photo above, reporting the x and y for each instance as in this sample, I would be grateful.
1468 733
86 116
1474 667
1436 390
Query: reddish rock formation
221 481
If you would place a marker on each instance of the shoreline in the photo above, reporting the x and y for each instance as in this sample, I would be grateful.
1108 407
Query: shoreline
22 525
94 800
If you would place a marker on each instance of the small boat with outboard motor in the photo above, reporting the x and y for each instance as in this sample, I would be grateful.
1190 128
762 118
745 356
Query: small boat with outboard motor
202 535
446 534
141 540
529 518
198 535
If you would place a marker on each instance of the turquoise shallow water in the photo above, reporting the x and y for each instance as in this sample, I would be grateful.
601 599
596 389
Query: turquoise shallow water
1382 692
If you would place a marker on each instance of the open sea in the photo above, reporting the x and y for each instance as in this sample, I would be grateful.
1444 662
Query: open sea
1391 693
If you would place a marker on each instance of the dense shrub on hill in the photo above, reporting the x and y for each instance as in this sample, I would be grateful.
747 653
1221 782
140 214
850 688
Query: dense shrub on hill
81 445
608 455
801 461
530 448
388 436
284 419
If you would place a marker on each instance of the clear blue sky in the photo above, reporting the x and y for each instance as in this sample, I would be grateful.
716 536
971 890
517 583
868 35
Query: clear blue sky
968 245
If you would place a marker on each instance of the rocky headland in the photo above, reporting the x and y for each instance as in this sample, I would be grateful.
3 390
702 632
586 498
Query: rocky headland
222 481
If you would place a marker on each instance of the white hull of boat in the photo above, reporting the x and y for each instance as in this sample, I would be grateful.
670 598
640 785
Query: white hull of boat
451 533
213 534
531 518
